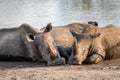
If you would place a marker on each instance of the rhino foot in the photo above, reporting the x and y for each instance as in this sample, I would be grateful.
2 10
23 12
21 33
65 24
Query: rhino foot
94 59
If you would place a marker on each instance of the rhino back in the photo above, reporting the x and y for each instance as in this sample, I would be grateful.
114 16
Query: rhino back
62 34
11 43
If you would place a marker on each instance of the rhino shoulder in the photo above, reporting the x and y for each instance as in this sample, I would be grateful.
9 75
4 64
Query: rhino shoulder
111 35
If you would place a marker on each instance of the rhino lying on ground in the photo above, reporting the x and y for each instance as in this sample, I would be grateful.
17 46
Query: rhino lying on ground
96 45
63 37
28 42
62 34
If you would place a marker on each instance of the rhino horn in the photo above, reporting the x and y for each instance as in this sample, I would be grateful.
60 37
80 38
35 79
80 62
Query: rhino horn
52 51
75 46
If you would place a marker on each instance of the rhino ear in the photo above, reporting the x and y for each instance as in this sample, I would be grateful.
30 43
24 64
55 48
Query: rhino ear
95 35
48 28
93 23
90 22
74 34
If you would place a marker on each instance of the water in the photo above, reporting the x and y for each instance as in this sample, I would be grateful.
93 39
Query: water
59 12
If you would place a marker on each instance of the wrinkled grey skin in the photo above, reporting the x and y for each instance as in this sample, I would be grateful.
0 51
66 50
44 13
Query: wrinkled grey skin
16 42
23 42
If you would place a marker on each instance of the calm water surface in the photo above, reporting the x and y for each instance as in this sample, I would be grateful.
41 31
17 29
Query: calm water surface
59 12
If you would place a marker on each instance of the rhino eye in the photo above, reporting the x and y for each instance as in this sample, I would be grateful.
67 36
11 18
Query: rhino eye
31 36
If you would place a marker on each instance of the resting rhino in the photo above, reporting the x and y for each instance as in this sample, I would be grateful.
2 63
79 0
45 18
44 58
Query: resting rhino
63 37
96 45
28 42
62 34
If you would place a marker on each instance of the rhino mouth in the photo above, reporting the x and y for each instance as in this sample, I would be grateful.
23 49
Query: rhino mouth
74 61
51 57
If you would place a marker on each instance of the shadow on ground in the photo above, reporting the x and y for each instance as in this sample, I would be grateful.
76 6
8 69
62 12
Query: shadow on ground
21 64
112 64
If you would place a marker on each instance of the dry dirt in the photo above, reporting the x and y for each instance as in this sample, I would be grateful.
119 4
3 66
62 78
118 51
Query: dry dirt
109 70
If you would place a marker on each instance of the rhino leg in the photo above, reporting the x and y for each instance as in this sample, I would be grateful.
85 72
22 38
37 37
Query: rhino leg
94 59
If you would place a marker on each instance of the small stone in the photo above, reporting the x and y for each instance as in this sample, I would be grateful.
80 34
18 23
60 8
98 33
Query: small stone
115 67
105 68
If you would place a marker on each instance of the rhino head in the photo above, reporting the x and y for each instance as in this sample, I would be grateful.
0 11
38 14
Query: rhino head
80 47
47 47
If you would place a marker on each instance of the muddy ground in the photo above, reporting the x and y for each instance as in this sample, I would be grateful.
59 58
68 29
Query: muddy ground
109 70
